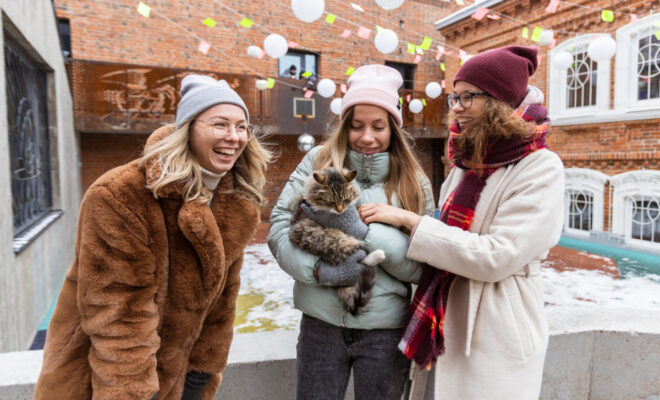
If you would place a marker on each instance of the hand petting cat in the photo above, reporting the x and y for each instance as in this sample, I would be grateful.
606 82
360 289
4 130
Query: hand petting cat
386 214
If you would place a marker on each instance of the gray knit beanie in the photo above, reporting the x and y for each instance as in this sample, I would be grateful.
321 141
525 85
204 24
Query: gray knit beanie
199 92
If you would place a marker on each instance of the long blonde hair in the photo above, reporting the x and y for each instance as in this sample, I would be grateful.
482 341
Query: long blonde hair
497 121
174 162
405 171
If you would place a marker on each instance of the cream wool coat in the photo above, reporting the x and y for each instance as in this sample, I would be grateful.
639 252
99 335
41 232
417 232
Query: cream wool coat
495 328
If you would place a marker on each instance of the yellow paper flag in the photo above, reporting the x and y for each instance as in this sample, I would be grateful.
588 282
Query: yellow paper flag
418 50
536 34
460 2
424 102
442 67
657 35
411 48
461 62
525 32
271 83
426 43
143 9
330 18
306 74
246 23
607 15
209 22
379 29
350 71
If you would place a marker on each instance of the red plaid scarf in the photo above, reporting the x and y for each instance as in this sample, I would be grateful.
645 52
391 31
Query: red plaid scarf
423 340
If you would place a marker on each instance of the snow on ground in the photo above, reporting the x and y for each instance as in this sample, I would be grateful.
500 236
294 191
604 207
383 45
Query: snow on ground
266 295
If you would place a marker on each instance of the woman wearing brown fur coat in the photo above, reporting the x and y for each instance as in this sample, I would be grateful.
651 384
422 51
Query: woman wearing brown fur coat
147 308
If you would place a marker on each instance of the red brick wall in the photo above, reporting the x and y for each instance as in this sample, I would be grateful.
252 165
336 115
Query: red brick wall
100 152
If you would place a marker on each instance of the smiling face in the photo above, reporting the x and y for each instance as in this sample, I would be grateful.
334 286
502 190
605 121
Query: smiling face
211 149
466 116
369 130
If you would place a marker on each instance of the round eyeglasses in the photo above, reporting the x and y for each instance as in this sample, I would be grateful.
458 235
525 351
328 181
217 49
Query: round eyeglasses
464 99
223 128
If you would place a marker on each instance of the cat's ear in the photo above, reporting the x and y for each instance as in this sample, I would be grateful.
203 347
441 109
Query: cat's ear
320 177
350 175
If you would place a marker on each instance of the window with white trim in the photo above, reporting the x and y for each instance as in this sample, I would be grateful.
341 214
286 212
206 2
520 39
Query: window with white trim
636 207
583 89
637 74
583 200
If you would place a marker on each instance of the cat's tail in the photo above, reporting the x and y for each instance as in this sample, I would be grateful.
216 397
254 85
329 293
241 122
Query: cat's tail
364 288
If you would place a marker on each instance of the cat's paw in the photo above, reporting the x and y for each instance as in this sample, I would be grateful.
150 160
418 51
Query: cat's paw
373 258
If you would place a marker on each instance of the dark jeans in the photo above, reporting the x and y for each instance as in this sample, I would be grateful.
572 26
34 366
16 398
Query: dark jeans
326 354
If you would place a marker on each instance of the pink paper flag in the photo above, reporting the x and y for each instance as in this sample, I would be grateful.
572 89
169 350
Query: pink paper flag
357 7
262 54
408 98
553 44
343 88
292 44
309 93
442 83
204 47
364 32
448 53
493 16
437 56
552 7
480 13
346 33
633 18
417 59
462 54
539 57
441 49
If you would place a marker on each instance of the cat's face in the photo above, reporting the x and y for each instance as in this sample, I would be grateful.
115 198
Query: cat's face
332 189
369 130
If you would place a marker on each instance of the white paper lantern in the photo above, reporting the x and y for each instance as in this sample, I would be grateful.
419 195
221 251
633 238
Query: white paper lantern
275 45
326 87
306 142
386 41
602 48
254 51
415 106
546 37
335 106
562 60
262 84
433 89
390 4
308 10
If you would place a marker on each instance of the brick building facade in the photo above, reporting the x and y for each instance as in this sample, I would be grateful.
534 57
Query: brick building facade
119 58
610 142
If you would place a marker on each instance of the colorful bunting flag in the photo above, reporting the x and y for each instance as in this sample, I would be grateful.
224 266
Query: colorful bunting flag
553 43
525 32
246 23
291 44
204 47
330 18
343 88
442 83
143 9
480 13
493 16
536 34
309 93
306 74
379 29
607 15
538 58
364 32
657 35
407 98
552 7
418 50
417 59
350 71
424 102
209 22
426 43
401 100
271 83
411 48
262 53
437 56
357 7
460 2
633 18
345 34
443 67
441 49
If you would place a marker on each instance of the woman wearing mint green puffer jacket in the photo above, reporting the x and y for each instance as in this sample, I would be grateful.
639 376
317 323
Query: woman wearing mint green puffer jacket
333 341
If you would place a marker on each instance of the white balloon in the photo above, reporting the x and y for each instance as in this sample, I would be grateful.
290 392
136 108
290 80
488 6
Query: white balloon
262 84
306 142
601 49
335 106
415 106
275 45
546 37
433 89
562 60
326 87
254 51
386 41
390 4
308 10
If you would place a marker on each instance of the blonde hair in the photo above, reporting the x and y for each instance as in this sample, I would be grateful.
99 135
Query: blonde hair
174 163
405 171
497 121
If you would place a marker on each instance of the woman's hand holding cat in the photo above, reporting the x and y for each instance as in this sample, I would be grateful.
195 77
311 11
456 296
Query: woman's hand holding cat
348 221
391 215
346 273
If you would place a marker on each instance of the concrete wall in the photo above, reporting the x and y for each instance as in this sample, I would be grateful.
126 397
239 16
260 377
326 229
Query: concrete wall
30 280
594 354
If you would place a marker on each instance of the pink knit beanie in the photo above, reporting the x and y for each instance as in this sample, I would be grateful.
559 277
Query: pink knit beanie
375 85
503 72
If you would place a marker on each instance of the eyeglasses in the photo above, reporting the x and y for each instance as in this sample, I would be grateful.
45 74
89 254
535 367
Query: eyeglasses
222 128
465 99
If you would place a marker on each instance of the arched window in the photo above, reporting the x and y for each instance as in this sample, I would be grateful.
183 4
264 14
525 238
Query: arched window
583 200
636 207
583 90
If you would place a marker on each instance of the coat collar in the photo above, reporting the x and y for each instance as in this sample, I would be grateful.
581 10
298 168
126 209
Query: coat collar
371 168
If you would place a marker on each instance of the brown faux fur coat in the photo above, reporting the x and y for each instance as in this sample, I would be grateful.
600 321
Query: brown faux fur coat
151 293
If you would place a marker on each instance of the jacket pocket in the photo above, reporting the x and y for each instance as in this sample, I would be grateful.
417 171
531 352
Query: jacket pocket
521 321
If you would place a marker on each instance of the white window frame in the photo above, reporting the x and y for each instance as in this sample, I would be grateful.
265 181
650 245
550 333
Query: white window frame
625 91
626 188
591 182
559 113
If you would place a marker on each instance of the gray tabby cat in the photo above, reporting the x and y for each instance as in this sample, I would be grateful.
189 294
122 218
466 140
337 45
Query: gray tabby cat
332 190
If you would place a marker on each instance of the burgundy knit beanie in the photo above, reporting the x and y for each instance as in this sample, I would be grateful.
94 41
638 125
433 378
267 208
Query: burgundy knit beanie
503 73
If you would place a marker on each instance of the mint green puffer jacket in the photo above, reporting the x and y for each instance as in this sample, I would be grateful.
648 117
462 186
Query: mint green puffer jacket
389 305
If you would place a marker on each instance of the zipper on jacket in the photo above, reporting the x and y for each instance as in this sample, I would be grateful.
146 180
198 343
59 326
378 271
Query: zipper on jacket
367 170
343 318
